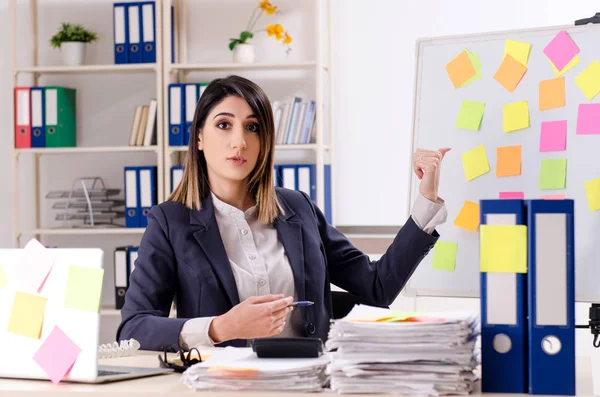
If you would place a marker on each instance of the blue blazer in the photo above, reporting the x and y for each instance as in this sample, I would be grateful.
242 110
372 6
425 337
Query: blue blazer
182 257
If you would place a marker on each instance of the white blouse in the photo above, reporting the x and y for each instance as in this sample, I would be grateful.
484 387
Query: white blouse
260 265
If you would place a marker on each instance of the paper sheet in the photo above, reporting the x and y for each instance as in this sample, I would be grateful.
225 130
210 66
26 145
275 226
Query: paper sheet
561 50
444 255
512 195
588 80
515 116
553 174
508 160
592 192
56 355
475 163
460 69
27 315
503 248
588 118
468 217
552 93
84 288
509 73
518 50
574 62
553 137
470 115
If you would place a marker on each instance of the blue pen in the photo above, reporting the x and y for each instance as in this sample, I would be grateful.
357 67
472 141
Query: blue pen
301 303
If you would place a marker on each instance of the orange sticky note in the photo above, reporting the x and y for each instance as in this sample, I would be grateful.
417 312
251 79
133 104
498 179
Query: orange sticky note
510 73
508 160
468 217
552 93
460 69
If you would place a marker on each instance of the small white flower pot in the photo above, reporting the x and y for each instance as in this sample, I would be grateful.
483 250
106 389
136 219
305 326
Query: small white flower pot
73 53
243 53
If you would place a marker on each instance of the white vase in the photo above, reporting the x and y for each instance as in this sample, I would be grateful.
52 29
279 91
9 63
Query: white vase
243 53
73 53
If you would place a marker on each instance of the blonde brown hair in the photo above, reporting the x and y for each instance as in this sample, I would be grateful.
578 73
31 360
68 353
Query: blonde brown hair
194 185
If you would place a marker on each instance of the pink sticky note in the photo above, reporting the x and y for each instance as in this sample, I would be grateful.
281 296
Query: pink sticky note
554 197
554 136
57 355
561 50
33 266
512 195
588 118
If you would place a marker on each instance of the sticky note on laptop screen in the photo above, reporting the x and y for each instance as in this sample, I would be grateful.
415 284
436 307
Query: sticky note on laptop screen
27 315
57 354
84 288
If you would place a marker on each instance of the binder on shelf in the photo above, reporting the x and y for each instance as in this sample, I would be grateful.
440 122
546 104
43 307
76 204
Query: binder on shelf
503 312
134 15
22 101
60 117
176 175
289 178
132 254
551 288
148 32
176 114
121 276
307 179
192 94
132 192
327 193
121 33
147 198
38 133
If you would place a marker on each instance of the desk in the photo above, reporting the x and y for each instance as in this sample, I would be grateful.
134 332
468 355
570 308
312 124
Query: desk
170 384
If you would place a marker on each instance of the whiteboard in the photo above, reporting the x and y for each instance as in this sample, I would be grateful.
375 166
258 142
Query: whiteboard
436 106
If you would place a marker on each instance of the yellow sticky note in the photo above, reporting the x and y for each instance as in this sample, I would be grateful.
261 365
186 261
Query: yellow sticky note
475 163
592 191
84 287
27 315
3 278
518 50
444 255
589 80
552 93
468 217
572 63
503 248
515 116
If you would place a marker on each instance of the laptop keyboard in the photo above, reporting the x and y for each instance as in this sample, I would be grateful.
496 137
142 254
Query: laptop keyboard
102 372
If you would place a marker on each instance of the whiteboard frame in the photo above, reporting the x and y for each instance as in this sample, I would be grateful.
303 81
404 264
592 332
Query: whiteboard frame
421 43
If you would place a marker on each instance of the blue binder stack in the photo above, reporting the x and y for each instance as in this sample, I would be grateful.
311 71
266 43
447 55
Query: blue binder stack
182 106
140 194
134 30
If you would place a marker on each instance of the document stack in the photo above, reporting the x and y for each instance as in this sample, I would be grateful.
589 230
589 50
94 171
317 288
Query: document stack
382 351
240 369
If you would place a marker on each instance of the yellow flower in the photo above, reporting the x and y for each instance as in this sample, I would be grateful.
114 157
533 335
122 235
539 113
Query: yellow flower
266 6
287 39
275 29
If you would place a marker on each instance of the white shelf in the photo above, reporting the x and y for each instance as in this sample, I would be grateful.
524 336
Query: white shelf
119 68
310 146
82 231
97 149
215 67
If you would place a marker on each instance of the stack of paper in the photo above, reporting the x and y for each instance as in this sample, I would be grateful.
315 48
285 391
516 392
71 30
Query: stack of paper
382 351
240 369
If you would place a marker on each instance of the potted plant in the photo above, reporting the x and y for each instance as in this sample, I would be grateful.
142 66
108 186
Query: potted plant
71 39
243 51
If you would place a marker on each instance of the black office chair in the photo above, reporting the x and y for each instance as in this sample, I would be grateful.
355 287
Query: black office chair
343 302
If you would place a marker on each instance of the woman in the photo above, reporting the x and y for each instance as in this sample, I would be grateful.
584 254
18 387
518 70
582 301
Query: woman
235 251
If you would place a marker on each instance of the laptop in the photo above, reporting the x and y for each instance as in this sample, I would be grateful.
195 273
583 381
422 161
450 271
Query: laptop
63 305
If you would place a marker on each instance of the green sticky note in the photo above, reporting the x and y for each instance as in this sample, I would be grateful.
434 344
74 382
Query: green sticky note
444 255
474 58
84 288
515 116
503 248
470 115
3 278
553 174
